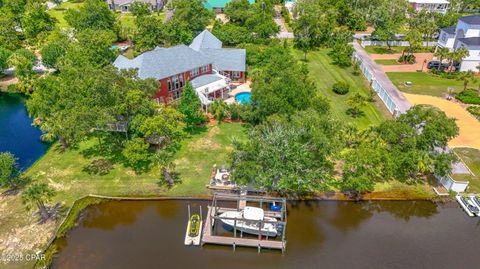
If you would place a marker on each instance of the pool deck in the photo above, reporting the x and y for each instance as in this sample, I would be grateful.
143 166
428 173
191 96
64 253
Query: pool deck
241 88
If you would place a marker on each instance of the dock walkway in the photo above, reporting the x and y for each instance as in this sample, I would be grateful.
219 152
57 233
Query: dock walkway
208 238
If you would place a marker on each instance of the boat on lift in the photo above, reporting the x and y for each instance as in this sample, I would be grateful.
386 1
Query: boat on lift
468 205
249 220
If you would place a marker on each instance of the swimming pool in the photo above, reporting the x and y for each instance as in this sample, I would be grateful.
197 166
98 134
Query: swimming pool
243 98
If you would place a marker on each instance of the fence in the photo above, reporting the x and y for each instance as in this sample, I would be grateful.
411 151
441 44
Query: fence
394 101
395 43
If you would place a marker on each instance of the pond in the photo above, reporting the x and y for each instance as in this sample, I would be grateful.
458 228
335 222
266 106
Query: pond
388 234
17 135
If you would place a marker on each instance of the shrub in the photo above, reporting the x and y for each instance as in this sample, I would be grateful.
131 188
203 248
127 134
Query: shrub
99 167
469 96
407 59
475 111
341 88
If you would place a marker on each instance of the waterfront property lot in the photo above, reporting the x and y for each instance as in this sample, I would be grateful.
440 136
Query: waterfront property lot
424 83
325 74
65 170
20 231
471 157
469 126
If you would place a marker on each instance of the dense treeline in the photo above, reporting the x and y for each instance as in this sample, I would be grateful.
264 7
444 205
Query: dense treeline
297 146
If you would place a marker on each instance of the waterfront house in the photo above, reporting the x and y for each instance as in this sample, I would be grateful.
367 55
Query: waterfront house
440 6
209 67
124 5
465 34
219 5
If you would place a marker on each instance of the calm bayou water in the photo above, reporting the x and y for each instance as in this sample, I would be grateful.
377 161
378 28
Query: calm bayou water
17 135
320 235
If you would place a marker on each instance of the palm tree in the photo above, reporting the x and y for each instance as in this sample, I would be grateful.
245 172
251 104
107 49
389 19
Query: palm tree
458 55
467 77
38 194
441 53
356 102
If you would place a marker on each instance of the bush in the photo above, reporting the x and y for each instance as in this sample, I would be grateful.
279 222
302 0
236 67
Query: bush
469 96
475 111
445 74
341 88
410 59
99 167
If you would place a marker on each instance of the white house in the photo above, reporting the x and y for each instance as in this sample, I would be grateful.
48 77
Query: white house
465 34
439 6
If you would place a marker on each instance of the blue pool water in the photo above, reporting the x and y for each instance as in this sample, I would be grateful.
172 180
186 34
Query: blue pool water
17 135
244 98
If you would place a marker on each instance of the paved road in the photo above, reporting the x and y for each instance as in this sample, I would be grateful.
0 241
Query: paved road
398 98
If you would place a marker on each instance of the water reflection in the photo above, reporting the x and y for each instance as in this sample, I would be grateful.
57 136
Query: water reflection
107 216
394 235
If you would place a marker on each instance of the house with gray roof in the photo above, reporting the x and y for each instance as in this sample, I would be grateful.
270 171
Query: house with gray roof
124 5
466 34
205 63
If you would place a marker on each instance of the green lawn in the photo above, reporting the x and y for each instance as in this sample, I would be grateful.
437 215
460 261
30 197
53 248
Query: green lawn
64 171
392 50
387 62
59 12
471 157
325 74
424 83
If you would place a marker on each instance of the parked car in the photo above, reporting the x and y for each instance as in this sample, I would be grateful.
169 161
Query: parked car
437 65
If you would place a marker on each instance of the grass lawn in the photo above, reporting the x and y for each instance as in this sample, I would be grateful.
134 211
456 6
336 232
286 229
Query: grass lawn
393 49
471 157
325 74
19 230
64 171
59 12
387 62
424 83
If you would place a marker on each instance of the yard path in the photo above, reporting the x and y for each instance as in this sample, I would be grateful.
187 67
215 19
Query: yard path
420 58
284 33
469 126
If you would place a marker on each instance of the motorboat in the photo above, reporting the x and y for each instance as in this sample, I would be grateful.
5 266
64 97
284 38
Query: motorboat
468 205
475 200
248 221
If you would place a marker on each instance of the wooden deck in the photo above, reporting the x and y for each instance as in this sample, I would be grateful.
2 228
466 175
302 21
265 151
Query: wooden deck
208 238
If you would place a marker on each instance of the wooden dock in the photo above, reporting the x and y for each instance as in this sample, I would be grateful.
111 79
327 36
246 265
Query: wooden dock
209 238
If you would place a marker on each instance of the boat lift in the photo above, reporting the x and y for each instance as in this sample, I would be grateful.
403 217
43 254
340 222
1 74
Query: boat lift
469 204
194 228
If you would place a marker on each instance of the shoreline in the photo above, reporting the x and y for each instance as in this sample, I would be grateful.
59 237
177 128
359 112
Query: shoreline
69 221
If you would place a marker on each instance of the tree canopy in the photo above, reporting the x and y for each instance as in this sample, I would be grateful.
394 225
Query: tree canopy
93 14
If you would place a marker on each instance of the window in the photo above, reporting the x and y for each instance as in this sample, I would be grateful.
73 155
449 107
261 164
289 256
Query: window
204 69
169 85
236 74
194 72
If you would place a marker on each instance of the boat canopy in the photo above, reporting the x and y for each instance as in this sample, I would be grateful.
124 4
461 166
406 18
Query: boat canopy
253 213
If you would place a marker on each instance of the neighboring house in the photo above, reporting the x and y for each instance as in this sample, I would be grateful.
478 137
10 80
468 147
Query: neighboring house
124 5
208 66
465 34
219 5
439 6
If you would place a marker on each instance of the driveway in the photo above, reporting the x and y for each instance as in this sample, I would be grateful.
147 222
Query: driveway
469 126
284 33
420 58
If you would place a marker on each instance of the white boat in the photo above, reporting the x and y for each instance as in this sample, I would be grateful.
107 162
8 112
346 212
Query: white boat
248 221
474 199
468 205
